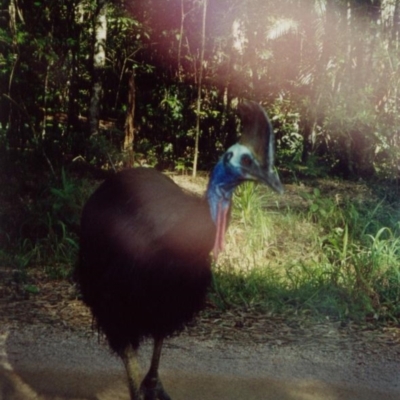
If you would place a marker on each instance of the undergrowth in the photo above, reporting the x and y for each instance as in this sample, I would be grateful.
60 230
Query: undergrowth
40 224
311 252
320 254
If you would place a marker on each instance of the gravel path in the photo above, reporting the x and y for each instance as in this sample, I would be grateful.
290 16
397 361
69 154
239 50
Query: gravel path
44 362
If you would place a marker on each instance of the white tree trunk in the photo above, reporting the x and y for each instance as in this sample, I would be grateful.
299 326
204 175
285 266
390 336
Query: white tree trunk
200 80
99 61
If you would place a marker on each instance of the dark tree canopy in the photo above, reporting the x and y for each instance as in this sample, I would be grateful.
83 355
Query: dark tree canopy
327 71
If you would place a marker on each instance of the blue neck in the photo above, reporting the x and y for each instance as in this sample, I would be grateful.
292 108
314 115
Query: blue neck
220 189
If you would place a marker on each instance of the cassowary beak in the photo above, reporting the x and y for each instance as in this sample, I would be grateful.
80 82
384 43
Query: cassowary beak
269 177
274 182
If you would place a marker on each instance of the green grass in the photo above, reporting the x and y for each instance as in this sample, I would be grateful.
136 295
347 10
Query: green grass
319 254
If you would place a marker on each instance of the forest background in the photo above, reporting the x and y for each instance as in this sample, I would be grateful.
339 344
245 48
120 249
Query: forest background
92 85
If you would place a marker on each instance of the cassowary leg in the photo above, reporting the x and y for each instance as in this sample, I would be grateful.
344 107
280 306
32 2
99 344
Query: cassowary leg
151 387
130 359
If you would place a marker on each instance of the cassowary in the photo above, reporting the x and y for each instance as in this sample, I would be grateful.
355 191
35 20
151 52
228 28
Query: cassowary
145 247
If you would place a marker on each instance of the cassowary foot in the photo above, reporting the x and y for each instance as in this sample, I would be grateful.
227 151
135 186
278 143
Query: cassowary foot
152 389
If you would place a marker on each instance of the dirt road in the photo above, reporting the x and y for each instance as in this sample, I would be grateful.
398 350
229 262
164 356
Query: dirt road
40 362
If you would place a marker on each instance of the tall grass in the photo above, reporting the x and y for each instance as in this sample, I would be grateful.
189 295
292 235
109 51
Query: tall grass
325 254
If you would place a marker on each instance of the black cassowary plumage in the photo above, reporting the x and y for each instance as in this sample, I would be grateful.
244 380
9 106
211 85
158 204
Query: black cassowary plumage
144 256
144 264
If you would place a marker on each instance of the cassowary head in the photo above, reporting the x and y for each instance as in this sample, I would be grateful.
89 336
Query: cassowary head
258 137
252 158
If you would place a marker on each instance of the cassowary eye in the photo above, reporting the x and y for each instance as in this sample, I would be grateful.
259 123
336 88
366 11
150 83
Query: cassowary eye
246 161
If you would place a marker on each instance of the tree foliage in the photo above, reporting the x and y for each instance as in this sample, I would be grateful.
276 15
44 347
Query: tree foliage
326 70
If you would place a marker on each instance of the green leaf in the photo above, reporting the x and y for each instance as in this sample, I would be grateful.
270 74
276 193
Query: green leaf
33 289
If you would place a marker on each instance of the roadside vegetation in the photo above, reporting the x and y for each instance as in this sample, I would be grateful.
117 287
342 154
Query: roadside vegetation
332 248
326 248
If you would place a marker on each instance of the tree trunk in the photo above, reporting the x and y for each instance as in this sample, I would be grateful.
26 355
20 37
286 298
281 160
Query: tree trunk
9 118
129 123
199 87
252 60
180 71
75 13
99 61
